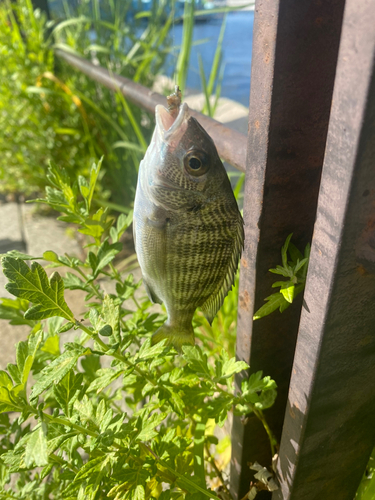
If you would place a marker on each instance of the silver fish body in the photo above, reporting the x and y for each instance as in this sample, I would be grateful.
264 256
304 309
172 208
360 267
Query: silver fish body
188 230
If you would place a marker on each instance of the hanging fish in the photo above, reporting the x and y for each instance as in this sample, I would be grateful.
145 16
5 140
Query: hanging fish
188 230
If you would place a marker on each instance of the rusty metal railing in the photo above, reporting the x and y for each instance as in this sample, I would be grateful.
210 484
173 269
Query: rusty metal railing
231 145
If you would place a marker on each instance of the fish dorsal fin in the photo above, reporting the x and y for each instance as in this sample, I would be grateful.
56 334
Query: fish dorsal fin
215 301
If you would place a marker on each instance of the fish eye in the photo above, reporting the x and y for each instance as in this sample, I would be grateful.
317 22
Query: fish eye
196 163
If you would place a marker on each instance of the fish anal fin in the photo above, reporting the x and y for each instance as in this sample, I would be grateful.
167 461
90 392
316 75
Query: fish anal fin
151 294
212 305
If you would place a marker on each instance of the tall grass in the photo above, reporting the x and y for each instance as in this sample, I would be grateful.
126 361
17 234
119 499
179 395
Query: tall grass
48 111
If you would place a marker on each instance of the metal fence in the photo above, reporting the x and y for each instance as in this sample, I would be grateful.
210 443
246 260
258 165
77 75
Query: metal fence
310 170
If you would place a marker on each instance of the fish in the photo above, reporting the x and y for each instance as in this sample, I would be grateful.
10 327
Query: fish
188 230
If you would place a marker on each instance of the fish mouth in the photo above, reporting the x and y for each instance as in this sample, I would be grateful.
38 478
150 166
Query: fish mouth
171 128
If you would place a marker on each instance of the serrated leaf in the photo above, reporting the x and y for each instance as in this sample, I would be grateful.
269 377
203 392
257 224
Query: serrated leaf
148 351
106 254
280 270
300 264
19 255
148 426
73 282
231 366
85 409
36 447
67 391
91 467
274 301
58 368
34 285
104 377
196 360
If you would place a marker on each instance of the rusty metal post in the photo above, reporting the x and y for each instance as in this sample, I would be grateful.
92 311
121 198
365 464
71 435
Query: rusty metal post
329 427
294 60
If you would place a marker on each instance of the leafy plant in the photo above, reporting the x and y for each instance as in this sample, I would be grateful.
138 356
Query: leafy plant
116 417
50 112
295 270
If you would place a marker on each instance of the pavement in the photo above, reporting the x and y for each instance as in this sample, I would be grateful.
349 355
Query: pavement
24 228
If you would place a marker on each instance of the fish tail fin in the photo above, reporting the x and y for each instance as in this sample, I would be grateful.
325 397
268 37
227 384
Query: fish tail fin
176 336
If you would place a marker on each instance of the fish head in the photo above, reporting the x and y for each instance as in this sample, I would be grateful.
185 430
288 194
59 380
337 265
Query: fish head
182 156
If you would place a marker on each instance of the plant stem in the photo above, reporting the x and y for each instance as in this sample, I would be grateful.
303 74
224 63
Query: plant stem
63 462
271 437
199 471
217 470
115 355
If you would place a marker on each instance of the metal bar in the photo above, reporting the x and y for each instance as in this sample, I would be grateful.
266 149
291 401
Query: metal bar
231 145
329 427
294 59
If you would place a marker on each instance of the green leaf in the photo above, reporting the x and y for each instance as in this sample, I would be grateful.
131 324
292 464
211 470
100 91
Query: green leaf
228 367
294 253
58 368
274 301
139 493
73 282
92 467
85 409
67 391
300 264
7 401
26 352
34 285
5 380
36 447
123 222
106 254
104 376
51 256
19 255
282 271
148 351
284 251
147 431
197 360
288 293
110 315
13 310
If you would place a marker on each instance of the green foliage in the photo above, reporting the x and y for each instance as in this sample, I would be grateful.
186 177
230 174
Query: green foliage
117 417
295 270
50 112
366 489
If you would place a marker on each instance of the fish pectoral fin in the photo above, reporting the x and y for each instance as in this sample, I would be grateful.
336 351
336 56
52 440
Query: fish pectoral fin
151 294
212 305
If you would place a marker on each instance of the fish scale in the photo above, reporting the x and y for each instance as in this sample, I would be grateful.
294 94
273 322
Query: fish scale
188 230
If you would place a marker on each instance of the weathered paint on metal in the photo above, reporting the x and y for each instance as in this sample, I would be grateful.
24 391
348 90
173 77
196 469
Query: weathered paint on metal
295 51
329 427
231 145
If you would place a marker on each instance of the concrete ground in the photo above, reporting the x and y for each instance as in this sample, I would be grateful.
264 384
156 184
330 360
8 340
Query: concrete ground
23 228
